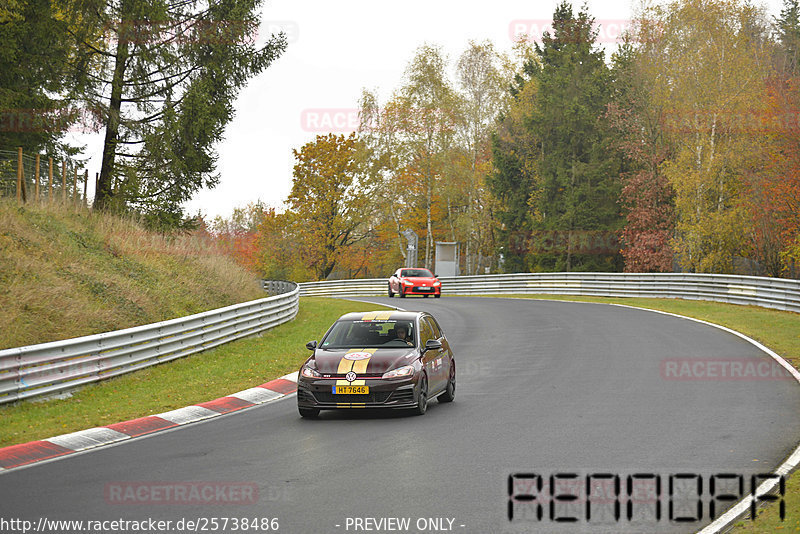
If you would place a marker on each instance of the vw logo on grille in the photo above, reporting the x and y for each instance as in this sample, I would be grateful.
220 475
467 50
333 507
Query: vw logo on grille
350 376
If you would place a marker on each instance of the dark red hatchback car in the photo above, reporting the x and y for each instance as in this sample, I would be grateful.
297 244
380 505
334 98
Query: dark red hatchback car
381 359
416 281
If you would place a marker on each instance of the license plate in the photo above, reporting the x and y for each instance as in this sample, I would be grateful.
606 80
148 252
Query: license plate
424 289
350 390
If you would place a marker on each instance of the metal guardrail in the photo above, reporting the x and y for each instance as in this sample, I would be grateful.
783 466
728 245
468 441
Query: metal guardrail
58 366
778 293
277 287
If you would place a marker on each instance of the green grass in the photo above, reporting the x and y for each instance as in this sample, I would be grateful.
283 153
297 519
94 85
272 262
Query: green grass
201 377
778 330
67 273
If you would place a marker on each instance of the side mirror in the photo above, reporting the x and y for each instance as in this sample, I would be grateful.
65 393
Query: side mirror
433 344
436 276
311 345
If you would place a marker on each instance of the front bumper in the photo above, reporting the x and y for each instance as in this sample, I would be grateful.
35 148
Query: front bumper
317 393
422 290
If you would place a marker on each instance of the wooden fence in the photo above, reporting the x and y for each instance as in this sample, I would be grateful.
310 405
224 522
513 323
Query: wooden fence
37 178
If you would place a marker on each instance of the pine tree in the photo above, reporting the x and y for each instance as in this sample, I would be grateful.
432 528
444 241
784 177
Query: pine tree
164 78
576 195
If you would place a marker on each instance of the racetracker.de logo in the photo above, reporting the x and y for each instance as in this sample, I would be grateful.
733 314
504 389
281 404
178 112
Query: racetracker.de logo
192 493
723 369
532 30
334 120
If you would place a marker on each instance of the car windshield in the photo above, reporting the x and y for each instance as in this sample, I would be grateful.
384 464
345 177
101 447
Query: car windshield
422 273
369 334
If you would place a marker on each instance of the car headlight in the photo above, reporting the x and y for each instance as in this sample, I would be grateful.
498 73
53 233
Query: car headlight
407 283
406 370
437 283
309 372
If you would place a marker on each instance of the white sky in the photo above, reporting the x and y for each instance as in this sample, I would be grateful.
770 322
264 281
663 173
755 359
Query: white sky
336 49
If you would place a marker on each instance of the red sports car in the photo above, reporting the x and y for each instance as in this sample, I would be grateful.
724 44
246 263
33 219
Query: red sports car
415 281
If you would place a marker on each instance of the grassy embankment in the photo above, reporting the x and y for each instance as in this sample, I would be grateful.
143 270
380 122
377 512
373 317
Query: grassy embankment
65 274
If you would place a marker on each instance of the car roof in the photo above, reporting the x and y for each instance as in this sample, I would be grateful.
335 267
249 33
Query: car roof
382 315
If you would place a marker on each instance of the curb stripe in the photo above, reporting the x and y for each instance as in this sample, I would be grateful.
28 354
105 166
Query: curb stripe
28 453
257 395
189 414
25 454
143 425
281 385
88 439
225 404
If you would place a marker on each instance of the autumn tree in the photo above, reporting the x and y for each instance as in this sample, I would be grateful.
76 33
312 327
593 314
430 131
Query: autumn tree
238 234
426 123
647 197
482 83
707 72
329 200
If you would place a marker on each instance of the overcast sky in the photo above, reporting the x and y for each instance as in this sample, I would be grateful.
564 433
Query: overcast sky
336 49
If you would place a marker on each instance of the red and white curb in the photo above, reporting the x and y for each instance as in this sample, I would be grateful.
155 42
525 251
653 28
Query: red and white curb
37 451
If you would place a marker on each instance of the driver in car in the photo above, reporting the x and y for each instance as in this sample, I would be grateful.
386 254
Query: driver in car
401 331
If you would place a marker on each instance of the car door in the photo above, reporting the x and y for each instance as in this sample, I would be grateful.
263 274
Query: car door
446 353
432 358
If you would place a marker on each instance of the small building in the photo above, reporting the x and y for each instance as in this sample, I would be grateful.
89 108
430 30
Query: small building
447 256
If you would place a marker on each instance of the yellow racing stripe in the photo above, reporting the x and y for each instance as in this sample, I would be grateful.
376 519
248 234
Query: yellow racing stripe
345 366
357 366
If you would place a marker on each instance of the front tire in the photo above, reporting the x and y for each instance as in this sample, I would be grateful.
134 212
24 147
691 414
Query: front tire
402 294
422 397
308 413
438 295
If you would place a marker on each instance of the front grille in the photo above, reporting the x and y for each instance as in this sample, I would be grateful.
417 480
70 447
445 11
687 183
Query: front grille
326 397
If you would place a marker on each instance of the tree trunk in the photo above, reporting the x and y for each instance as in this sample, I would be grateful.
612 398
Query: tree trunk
104 192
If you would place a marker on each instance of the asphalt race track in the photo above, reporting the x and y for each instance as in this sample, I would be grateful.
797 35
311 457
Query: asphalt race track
544 388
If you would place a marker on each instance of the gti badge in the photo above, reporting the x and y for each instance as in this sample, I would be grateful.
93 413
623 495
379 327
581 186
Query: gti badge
350 376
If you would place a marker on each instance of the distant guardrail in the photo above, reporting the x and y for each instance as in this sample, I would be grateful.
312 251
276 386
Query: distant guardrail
51 368
778 293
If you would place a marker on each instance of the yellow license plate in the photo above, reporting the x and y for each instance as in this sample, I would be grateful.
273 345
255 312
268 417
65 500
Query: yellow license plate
350 390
